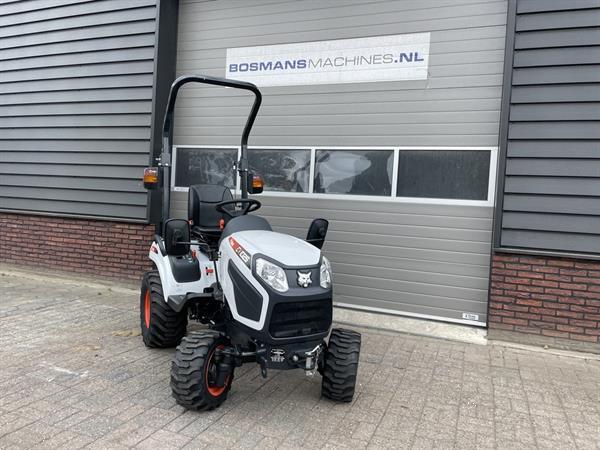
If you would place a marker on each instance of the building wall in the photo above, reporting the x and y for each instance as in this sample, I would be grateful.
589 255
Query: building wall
550 199
413 258
545 286
76 86
97 247
552 300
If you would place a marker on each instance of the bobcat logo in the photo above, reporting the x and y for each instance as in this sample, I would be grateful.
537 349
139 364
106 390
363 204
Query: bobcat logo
304 279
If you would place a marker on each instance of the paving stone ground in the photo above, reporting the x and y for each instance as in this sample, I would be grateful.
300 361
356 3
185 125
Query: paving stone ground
75 374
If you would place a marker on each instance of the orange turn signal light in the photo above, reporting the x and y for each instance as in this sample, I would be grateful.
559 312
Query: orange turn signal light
257 185
257 182
151 177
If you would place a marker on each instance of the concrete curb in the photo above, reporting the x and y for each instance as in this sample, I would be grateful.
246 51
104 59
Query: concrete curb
550 351
418 327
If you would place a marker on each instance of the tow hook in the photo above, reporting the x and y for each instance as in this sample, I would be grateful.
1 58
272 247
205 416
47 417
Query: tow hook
312 358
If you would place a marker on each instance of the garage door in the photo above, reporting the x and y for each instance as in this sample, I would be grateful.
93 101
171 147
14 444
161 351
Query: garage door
402 163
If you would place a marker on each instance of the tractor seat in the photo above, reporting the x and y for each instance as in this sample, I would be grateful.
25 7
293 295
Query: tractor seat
202 213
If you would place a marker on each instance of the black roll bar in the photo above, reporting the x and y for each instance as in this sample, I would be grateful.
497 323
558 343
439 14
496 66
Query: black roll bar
167 133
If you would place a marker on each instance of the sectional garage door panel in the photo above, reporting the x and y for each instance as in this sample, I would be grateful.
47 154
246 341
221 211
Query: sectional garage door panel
428 259
431 260
458 104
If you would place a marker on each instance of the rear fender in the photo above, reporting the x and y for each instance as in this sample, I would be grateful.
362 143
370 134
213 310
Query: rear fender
169 285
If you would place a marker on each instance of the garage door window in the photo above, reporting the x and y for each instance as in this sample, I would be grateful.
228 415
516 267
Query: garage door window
442 175
355 172
445 174
282 170
200 165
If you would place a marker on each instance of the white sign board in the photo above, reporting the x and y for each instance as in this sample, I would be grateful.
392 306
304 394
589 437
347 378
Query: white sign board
381 58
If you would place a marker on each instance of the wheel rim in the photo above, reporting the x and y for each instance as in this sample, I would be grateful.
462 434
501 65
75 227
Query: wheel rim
210 375
147 308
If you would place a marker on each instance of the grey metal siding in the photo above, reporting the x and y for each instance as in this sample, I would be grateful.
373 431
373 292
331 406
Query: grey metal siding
421 259
76 83
411 258
551 189
457 105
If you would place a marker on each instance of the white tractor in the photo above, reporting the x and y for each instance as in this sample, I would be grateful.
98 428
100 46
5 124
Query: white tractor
265 297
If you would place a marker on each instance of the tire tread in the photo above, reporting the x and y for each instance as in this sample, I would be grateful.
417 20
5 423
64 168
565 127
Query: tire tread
167 327
340 366
187 372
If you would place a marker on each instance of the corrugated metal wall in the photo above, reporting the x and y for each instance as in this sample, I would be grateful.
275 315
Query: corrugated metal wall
411 258
75 104
552 185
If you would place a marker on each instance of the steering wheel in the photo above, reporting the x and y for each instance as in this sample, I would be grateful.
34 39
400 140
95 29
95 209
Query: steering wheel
248 206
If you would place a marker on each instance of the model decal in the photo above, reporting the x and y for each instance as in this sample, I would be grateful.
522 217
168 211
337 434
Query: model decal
240 251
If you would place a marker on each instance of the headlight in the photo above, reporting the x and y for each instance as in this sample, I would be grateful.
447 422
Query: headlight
272 274
325 274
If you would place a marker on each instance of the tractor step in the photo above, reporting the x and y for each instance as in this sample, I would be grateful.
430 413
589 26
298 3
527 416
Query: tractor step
178 302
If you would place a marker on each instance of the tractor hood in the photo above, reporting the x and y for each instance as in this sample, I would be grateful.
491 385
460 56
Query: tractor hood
285 249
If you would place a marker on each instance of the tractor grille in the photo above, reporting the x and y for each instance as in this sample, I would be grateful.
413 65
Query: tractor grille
297 319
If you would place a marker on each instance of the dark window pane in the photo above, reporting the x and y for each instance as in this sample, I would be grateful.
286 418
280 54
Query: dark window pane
282 170
358 172
205 166
456 174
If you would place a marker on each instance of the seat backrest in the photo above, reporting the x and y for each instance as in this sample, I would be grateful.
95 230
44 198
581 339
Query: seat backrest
202 199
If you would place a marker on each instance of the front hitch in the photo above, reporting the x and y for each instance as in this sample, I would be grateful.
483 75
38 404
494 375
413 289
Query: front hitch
309 361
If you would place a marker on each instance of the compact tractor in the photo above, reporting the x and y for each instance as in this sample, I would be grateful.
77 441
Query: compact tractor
265 297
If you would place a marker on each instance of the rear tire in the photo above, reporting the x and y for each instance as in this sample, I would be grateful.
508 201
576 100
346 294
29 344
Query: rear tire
192 371
161 326
340 365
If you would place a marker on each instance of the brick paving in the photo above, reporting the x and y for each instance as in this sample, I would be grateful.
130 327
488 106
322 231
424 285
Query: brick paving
75 374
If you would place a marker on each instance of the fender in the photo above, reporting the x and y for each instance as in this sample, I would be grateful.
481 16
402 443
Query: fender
169 285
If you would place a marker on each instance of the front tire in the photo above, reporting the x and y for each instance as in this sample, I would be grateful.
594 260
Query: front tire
340 365
193 371
162 327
